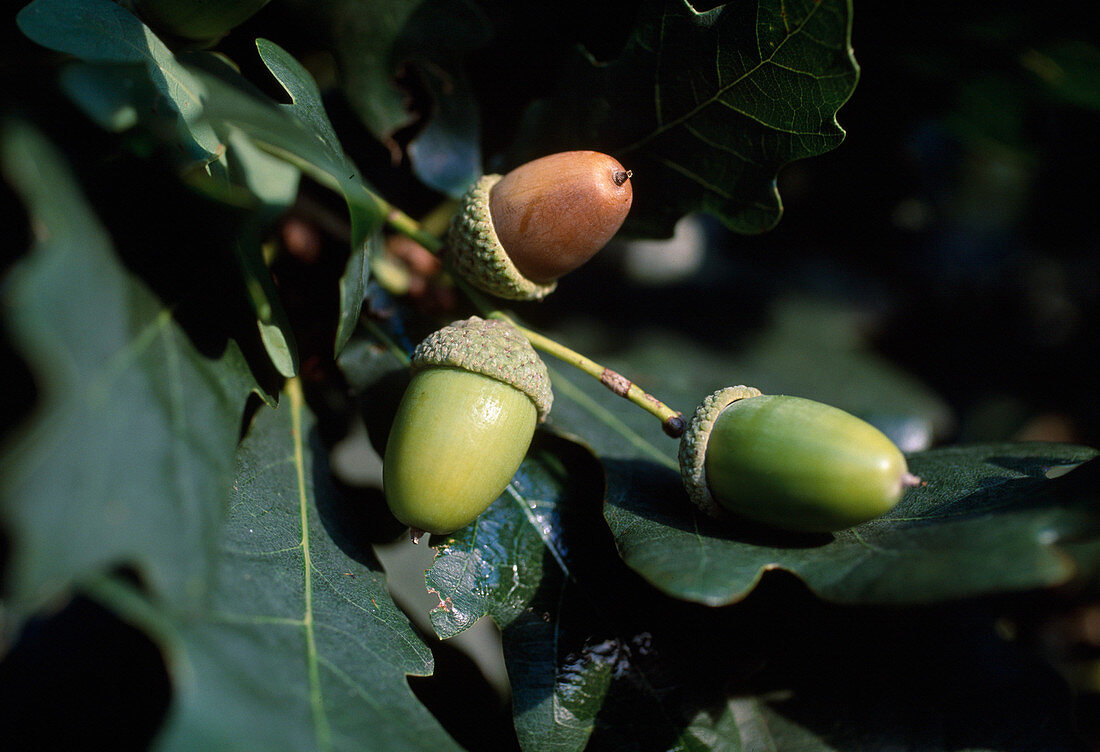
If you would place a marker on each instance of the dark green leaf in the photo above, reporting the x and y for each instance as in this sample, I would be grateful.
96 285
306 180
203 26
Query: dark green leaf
598 662
1071 70
446 154
366 210
119 96
128 458
538 563
705 108
275 184
299 645
100 31
115 96
363 35
423 40
301 134
987 519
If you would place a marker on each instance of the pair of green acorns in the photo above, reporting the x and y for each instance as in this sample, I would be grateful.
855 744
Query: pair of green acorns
479 388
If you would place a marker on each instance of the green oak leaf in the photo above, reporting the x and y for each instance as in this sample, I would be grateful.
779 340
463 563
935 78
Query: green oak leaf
366 211
987 519
423 40
127 458
539 565
124 74
100 31
298 645
706 107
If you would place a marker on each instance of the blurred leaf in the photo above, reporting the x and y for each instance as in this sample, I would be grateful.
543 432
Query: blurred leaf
367 211
987 519
116 97
424 42
705 108
275 183
271 319
363 34
119 96
1071 71
299 645
101 31
815 348
128 456
446 153
808 347
199 20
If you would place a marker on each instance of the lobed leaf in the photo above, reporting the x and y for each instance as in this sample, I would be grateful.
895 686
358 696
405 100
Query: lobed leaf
101 31
299 645
567 611
599 662
706 107
127 458
986 520
367 212
423 43
122 79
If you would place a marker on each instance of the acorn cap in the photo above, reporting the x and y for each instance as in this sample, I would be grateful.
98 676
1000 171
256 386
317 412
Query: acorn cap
492 348
478 257
693 445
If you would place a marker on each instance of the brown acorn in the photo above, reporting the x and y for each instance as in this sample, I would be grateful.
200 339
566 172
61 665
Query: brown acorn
515 235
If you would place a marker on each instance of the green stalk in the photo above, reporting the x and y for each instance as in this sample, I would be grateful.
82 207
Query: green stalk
672 421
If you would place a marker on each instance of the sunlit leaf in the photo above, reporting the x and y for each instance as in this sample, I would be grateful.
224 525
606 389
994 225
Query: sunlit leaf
987 519
100 31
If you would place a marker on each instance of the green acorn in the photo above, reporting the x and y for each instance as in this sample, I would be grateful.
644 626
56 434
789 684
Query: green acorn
789 462
513 236
464 424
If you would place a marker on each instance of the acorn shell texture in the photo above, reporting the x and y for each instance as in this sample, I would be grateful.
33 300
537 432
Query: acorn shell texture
464 423
457 440
554 213
475 252
693 445
492 348
513 236
797 464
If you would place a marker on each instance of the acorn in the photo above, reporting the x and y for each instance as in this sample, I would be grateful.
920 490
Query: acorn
514 236
464 424
789 462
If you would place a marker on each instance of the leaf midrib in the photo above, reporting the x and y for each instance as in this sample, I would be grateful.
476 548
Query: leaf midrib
320 721
664 127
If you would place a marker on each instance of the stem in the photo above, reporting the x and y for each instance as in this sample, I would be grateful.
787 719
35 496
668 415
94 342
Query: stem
409 227
672 421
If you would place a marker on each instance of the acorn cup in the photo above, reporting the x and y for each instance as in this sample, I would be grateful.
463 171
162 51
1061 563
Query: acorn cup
514 236
789 462
464 424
